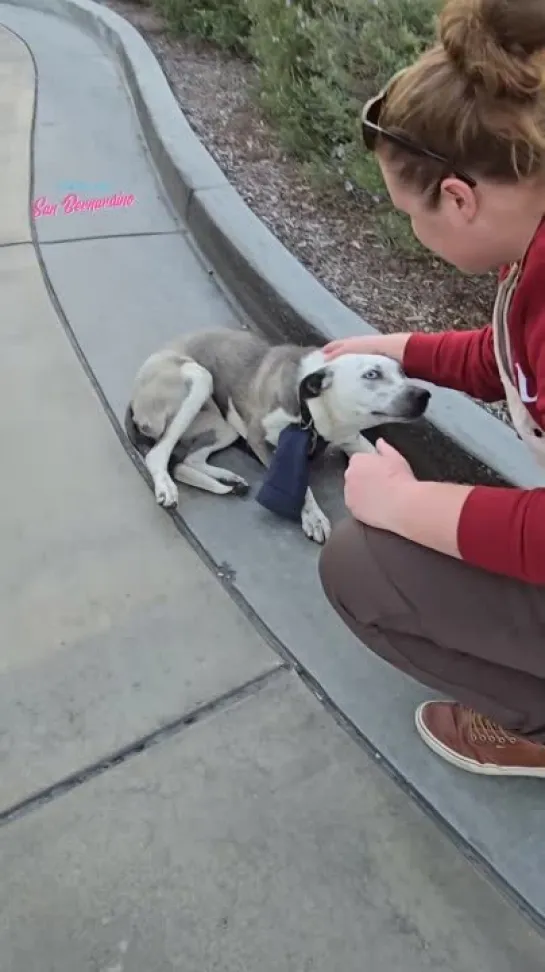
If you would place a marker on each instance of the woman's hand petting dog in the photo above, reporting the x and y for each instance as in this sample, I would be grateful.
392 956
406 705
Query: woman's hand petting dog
390 345
376 486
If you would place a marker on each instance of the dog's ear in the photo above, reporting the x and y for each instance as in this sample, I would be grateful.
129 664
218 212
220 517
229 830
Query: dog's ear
314 384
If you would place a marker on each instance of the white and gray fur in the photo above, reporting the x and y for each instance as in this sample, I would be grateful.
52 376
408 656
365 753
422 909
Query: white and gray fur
198 395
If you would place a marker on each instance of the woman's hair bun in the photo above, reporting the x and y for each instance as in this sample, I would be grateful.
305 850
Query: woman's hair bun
499 45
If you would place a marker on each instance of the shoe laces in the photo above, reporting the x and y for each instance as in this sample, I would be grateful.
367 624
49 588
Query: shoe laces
483 730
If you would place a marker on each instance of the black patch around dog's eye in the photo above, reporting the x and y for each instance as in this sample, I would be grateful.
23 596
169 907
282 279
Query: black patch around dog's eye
313 385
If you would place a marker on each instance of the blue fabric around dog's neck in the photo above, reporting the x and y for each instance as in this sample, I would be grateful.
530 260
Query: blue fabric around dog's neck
286 482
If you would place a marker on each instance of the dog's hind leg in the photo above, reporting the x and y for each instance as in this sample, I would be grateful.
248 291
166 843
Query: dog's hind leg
196 476
230 481
200 390
219 436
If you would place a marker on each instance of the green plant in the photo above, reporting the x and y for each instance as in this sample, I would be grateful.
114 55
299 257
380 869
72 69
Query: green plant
224 22
317 61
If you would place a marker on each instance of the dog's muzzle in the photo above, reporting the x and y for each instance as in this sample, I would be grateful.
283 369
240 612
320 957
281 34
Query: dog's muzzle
417 400
410 405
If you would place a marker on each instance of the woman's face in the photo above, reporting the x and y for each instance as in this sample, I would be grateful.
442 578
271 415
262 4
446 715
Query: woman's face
466 228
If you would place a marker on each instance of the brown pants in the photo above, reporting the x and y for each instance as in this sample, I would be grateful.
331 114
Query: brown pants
476 637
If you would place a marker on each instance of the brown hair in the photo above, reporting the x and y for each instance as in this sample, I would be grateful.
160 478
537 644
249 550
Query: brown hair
477 97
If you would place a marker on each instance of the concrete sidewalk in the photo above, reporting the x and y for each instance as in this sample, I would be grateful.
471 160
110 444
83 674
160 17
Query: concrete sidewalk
171 795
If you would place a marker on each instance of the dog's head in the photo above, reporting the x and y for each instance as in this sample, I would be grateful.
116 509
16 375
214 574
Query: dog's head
361 391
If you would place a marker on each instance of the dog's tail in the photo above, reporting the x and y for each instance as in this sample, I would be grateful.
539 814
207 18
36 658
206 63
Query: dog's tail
201 386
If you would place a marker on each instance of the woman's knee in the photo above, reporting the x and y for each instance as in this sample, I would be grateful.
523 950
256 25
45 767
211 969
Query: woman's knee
362 571
344 555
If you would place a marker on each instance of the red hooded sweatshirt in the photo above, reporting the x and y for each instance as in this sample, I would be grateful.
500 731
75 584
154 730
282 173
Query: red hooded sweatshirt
501 529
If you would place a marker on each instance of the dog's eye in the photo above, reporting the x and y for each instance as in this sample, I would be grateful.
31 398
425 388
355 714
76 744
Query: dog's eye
373 374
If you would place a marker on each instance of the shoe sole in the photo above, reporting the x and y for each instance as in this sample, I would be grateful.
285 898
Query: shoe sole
462 762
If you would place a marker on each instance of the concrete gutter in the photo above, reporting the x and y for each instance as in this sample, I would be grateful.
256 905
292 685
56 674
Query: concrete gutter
283 299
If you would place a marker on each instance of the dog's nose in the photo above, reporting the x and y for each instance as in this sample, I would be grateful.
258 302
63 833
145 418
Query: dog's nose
422 396
419 399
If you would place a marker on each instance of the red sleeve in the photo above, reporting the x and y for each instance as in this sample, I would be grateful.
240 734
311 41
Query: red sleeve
463 360
502 530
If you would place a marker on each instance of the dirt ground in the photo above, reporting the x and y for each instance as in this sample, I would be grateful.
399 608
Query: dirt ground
331 234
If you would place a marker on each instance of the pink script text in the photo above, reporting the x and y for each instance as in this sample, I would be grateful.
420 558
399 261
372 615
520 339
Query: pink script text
73 204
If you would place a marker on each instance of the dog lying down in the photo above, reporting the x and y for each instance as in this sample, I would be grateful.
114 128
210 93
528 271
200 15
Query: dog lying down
198 395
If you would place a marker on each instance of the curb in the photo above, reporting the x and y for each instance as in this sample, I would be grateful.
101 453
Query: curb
267 282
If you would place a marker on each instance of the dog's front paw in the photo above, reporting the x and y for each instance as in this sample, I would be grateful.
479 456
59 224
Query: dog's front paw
166 492
316 525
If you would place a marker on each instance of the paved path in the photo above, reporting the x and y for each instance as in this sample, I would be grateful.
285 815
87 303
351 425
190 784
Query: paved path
171 795
127 280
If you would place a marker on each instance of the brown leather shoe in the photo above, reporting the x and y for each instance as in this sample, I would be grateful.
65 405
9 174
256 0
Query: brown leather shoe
472 742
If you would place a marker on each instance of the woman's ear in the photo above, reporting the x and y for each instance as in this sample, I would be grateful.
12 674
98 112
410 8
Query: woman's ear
459 199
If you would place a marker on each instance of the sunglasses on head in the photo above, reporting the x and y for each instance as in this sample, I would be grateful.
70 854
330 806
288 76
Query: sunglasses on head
371 131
